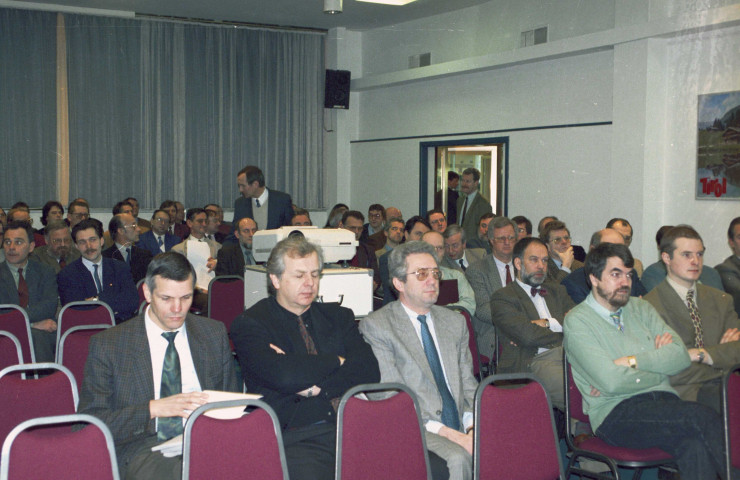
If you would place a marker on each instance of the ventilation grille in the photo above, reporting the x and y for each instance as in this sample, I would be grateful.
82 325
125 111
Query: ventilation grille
533 37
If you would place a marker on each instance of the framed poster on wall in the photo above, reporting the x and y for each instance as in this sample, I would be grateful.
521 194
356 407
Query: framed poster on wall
718 146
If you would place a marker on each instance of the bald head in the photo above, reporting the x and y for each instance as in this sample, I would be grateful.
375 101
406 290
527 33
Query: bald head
607 235
391 212
436 240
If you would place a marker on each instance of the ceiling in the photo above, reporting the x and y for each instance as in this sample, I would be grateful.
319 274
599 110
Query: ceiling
295 13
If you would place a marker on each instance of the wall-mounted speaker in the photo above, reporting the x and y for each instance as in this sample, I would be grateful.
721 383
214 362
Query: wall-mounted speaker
336 93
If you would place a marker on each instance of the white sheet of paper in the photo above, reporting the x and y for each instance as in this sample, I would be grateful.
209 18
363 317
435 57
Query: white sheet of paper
198 255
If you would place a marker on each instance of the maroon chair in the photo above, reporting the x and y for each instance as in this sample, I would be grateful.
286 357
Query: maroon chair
10 350
597 449
481 363
48 447
380 438
25 398
226 299
515 435
75 314
142 298
14 319
247 447
73 348
731 415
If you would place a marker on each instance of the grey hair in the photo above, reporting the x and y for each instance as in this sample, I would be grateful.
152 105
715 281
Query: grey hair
171 266
500 222
294 247
453 230
397 263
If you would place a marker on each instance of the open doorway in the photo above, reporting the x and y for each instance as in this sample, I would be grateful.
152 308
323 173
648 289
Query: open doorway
488 155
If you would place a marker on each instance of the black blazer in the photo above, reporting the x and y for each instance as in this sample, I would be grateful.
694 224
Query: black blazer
140 259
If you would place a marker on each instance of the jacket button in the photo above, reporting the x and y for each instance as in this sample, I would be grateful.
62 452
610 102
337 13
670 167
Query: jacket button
439 412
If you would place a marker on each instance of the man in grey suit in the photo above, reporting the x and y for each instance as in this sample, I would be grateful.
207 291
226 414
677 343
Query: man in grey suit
528 315
702 316
457 256
488 275
145 376
729 270
472 205
426 348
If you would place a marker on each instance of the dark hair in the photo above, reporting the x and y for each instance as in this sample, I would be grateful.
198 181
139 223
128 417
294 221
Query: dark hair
253 174
167 204
171 266
21 225
77 203
128 199
334 217
539 225
411 223
474 172
486 216
452 175
598 256
357 215
735 221
192 212
668 241
118 207
522 219
521 246
47 207
435 210
114 225
93 223
378 208
661 231
218 207
391 221
551 227
21 206
155 212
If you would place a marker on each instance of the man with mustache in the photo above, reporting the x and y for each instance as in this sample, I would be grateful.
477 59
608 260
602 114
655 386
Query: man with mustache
528 314
702 316
92 277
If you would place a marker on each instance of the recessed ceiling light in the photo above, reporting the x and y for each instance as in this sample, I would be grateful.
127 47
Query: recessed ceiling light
389 2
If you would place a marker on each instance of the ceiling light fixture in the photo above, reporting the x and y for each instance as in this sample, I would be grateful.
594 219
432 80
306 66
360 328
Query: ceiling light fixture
332 7
389 2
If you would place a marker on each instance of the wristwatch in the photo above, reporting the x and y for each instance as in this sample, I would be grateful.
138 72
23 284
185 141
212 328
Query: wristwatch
632 361
310 392
701 355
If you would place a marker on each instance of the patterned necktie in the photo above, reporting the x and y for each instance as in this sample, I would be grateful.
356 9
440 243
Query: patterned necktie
449 409
23 294
617 319
310 346
169 427
695 319
462 264
508 274
128 255
96 277
465 207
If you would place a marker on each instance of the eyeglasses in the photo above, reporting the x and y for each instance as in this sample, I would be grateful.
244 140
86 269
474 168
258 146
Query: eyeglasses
423 273
81 216
561 239
375 215
504 239
162 220
132 226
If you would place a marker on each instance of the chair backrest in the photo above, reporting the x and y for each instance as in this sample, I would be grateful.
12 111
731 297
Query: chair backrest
380 438
515 436
75 314
731 415
23 399
14 319
48 447
226 298
573 397
73 348
217 448
140 290
472 342
10 350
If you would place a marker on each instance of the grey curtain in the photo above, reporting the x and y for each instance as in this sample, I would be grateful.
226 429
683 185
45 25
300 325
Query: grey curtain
162 110
27 107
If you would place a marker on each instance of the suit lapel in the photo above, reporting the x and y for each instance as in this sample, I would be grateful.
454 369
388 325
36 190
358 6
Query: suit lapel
141 359
448 351
7 284
405 331
195 341
495 277
525 298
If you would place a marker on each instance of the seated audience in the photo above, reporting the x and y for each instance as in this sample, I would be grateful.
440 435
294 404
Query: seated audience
3 217
93 277
562 262
524 226
623 355
301 218
125 233
213 224
143 223
233 257
481 238
625 229
158 239
224 229
77 211
31 285
335 215
52 210
437 220
393 232
425 347
118 208
578 252
21 214
143 378
456 255
466 297
376 220
58 251
415 227
352 220
729 270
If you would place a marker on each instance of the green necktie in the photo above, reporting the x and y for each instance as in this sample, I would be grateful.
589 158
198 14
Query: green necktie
171 385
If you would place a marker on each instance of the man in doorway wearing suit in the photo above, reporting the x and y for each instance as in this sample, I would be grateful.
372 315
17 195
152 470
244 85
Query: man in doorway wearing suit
528 314
472 205
125 233
114 286
233 257
702 316
425 347
266 206
158 239
142 383
302 356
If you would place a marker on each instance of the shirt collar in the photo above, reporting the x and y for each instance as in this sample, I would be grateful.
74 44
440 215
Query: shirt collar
262 198
154 330
604 313
680 289
90 264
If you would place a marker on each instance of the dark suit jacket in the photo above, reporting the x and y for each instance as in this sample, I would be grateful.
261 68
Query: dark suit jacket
119 290
478 243
148 241
140 259
279 210
555 275
376 241
729 272
230 260
578 286
451 207
483 276
717 315
513 311
118 382
479 207
366 258
280 377
389 295
42 290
